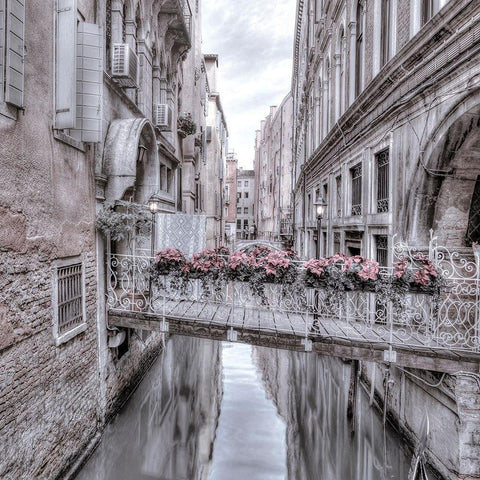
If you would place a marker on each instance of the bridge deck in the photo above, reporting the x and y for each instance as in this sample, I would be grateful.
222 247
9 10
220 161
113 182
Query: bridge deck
281 329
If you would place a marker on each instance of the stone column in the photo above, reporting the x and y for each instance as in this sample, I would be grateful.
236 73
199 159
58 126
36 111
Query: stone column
467 394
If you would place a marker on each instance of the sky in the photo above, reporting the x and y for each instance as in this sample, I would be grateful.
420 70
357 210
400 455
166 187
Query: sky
254 42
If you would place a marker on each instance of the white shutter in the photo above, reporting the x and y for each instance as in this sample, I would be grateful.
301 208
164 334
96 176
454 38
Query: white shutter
2 45
89 82
15 52
65 57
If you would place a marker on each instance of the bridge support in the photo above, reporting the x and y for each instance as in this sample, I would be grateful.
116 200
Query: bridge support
467 393
232 335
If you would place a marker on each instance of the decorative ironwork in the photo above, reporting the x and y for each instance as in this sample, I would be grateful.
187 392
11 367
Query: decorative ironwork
356 173
448 320
382 181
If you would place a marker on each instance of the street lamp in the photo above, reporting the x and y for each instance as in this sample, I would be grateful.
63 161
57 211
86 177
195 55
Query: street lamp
320 207
153 204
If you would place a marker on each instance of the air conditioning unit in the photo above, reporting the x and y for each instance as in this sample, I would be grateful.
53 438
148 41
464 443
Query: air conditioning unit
162 117
124 65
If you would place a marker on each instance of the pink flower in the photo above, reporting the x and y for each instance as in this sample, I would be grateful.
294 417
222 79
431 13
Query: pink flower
316 266
400 268
369 270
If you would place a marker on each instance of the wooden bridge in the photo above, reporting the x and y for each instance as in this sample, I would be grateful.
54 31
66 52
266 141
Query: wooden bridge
356 325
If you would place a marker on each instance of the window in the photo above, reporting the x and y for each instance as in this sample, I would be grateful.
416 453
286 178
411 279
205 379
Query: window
245 224
359 51
239 195
68 299
356 174
239 183
166 179
429 9
338 198
239 224
336 242
245 183
239 210
78 79
386 32
340 67
245 210
382 160
12 45
245 194
381 246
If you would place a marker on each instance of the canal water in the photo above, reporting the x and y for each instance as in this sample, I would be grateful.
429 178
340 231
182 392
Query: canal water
210 411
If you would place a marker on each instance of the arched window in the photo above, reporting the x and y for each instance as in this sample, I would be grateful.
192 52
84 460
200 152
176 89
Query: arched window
326 97
386 32
359 50
340 74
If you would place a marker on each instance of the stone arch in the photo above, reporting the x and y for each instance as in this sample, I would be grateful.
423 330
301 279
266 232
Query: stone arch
444 177
122 160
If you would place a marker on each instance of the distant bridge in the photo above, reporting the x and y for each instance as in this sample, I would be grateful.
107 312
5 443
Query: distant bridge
442 336
242 244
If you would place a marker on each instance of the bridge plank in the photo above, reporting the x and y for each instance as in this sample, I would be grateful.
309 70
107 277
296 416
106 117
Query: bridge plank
439 360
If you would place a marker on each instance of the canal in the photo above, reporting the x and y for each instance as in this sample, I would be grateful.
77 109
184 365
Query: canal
212 411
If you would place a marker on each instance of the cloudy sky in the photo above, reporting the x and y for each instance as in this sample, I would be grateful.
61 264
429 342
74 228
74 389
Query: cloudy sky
254 41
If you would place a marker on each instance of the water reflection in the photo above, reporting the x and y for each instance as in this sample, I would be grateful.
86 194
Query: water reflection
312 393
300 431
165 431
250 442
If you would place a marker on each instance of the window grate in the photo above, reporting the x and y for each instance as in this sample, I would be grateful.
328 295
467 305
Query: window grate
383 161
382 250
70 297
356 173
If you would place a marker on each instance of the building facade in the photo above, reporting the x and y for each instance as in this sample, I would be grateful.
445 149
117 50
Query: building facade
246 227
231 199
378 99
215 145
273 167
107 108
386 113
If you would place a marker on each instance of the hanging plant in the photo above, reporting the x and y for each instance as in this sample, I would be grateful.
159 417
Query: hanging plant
118 225
186 126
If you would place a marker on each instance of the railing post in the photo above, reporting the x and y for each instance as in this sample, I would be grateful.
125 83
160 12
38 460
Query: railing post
476 252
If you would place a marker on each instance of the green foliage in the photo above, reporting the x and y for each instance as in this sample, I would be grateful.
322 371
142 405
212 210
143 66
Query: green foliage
119 225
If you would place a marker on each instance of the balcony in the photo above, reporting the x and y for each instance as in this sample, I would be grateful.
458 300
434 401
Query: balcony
181 14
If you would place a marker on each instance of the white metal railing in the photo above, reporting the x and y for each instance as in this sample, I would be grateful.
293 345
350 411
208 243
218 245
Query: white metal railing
447 321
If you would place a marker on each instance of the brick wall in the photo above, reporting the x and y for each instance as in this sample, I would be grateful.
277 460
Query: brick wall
48 394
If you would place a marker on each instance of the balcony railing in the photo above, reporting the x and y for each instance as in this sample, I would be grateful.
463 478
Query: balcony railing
449 320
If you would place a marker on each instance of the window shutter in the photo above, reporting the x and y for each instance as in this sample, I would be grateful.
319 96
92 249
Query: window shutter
89 82
15 52
2 45
65 58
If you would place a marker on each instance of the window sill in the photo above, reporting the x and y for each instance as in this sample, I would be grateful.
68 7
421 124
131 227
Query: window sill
70 334
68 140
8 111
